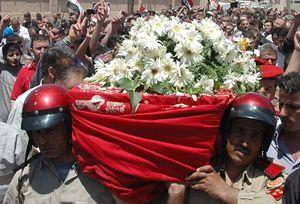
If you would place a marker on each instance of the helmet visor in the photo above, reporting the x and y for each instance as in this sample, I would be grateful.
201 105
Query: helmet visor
35 123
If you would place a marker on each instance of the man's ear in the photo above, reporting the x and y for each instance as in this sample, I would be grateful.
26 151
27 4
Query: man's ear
51 72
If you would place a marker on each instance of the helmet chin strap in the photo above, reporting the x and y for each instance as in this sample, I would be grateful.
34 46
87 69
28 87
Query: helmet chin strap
222 167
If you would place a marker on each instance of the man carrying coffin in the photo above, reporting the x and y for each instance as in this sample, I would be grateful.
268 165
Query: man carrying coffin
241 173
52 176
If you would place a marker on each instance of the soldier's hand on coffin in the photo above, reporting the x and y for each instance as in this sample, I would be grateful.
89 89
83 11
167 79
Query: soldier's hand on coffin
206 179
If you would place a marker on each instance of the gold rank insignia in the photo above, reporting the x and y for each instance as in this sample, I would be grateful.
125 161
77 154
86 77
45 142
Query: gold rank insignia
276 188
275 183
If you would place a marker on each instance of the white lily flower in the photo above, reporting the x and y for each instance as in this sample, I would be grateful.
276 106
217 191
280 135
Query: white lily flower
168 66
162 49
189 53
158 52
210 30
159 25
176 30
181 76
152 72
128 49
206 83
118 69
148 41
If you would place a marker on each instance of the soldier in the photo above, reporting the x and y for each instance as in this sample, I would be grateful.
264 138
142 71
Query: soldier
52 176
270 74
241 173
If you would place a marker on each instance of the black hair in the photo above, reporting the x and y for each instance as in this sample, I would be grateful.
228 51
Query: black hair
100 50
10 47
138 15
280 32
14 38
38 16
52 57
67 72
251 33
258 23
27 14
269 21
39 38
290 82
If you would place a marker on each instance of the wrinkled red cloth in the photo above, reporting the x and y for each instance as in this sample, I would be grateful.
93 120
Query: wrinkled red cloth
166 139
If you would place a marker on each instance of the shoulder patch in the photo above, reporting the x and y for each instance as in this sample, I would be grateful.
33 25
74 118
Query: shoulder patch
273 170
277 193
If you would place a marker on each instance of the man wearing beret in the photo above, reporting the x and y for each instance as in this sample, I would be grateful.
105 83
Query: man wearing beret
270 74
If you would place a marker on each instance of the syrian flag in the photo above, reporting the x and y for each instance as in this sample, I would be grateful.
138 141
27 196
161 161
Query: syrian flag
75 6
188 3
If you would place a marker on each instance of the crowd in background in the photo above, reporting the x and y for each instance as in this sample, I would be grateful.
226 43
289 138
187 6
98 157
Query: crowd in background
267 34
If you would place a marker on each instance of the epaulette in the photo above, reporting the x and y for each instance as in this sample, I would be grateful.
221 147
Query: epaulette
270 168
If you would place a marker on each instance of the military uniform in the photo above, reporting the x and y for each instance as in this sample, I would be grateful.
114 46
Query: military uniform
261 183
39 182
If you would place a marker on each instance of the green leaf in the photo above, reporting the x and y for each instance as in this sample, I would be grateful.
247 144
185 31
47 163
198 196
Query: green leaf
135 99
107 84
126 83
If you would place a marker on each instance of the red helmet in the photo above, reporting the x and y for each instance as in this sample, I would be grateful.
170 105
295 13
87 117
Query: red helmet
256 107
45 107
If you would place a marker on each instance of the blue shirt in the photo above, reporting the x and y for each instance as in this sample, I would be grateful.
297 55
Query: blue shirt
280 152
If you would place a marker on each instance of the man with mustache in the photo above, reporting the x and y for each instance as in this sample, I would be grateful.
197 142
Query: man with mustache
52 176
285 147
241 173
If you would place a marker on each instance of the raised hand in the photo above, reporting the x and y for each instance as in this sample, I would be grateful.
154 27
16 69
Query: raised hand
42 26
118 20
5 21
101 14
76 30
124 13
89 32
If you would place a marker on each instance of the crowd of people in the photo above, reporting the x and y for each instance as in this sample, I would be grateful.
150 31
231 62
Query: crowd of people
42 58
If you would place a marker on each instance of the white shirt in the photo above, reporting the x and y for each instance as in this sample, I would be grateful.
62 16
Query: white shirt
13 144
15 115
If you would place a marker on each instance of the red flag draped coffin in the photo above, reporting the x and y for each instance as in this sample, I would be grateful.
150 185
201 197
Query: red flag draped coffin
166 139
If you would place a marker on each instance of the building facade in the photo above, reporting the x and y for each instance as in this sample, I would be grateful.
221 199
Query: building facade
18 7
